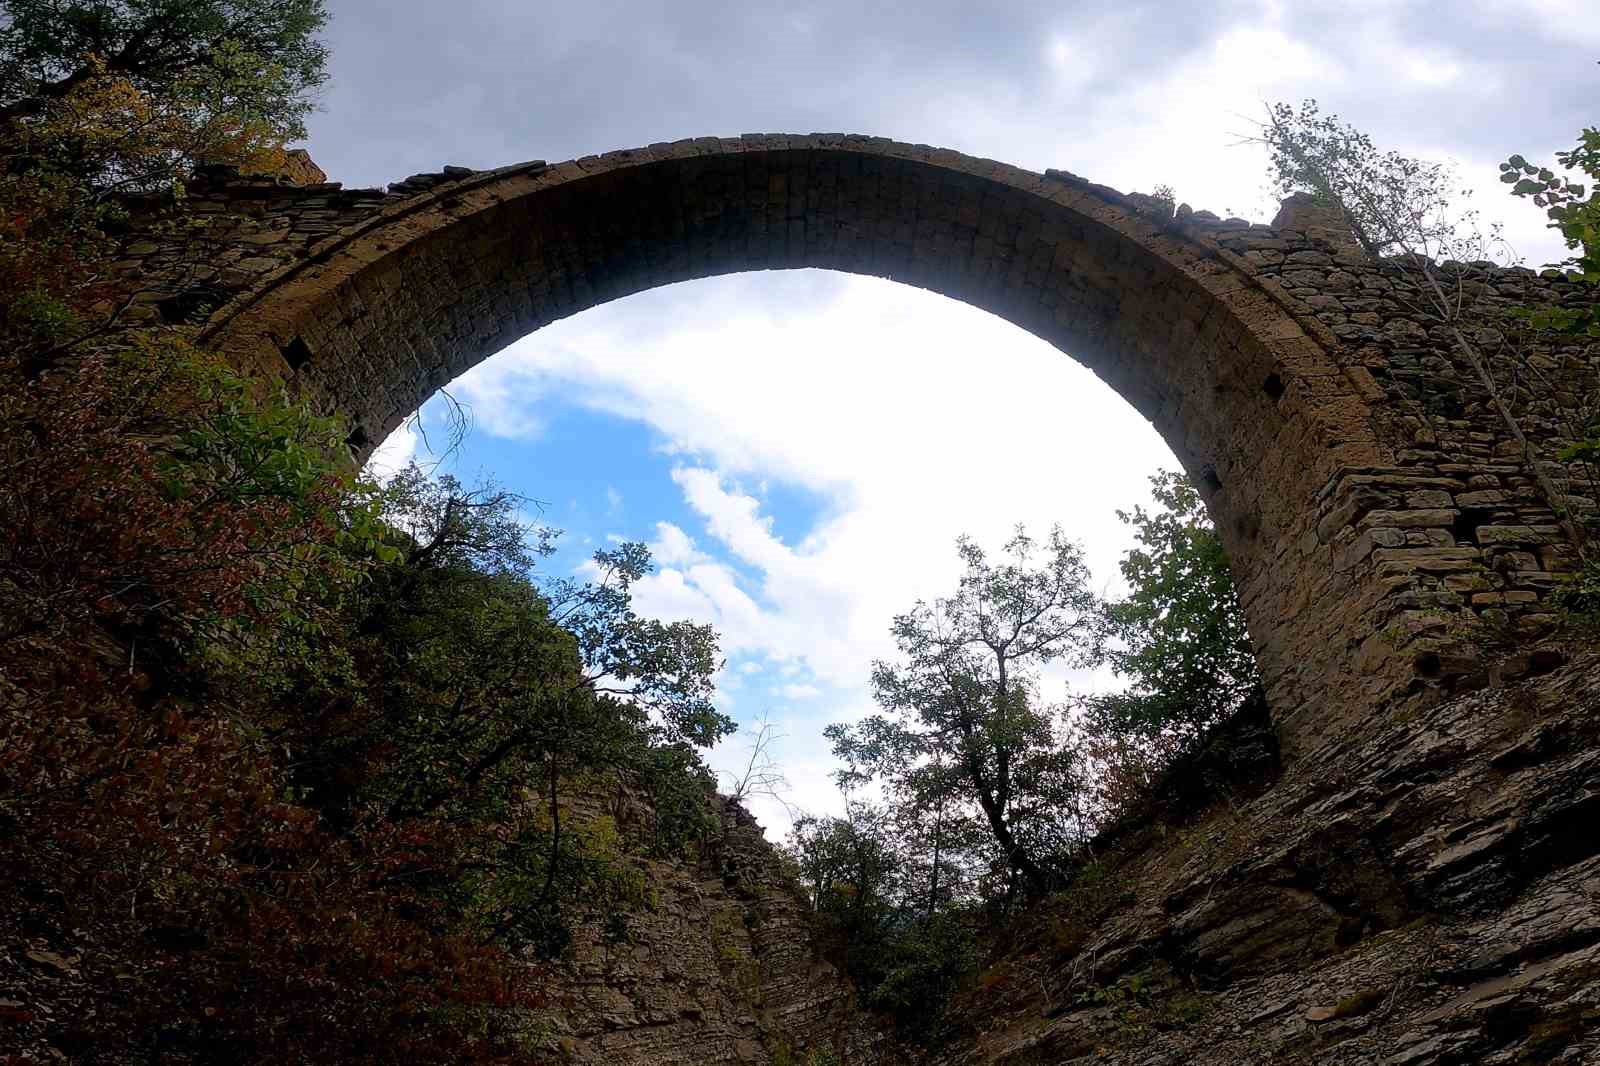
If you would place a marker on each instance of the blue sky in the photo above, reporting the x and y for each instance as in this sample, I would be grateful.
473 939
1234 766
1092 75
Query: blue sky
801 448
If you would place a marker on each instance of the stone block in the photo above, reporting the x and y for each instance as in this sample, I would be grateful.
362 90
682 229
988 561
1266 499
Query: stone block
1436 517
1487 535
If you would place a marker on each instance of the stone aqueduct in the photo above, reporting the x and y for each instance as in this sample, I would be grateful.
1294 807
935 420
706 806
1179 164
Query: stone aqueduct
1389 540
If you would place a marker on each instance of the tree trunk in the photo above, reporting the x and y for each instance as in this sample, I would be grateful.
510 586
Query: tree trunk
555 835
1016 855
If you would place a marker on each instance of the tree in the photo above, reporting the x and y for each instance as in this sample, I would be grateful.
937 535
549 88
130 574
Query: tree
965 722
1180 634
849 865
761 775
866 880
492 685
1574 211
666 669
209 77
1409 209
104 98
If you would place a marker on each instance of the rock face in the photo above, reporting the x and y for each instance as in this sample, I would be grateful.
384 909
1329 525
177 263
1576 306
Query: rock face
718 971
1427 894
1424 895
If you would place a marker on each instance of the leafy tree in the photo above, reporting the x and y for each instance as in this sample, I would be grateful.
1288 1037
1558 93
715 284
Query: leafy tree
266 727
1574 211
103 98
931 961
666 669
203 76
491 687
965 724
1180 634
867 883
164 527
850 866
1393 203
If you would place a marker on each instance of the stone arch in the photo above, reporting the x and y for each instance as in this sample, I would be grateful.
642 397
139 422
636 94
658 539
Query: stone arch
1245 387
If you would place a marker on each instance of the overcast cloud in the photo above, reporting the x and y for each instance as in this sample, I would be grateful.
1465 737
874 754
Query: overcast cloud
910 417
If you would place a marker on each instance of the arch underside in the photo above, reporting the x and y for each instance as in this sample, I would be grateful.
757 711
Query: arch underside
449 297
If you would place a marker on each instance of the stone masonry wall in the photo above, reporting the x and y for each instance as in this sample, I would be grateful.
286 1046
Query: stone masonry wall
1458 526
245 228
1420 887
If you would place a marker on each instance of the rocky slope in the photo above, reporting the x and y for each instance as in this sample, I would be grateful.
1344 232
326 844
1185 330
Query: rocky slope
1425 892
718 970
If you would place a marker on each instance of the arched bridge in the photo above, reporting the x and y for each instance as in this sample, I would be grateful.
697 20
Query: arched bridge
1279 364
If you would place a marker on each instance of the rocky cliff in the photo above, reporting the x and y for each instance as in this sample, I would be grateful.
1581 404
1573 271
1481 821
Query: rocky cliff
1423 893
1426 893
717 969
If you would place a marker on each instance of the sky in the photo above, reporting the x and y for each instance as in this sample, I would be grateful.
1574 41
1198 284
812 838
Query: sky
802 448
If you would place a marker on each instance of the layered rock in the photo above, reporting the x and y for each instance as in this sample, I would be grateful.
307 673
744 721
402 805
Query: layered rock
718 970
1423 894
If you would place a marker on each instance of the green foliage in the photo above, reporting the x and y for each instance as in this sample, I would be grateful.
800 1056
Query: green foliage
966 735
1180 636
1573 208
491 698
163 528
267 727
1579 597
665 669
332 732
1574 211
1138 1003
677 782
102 98
905 950
924 966
206 80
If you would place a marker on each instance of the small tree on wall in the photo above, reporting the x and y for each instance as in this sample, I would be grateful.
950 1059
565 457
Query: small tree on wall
1410 211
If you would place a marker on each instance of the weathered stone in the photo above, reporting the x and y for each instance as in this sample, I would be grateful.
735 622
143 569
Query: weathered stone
1411 519
1487 535
1430 499
1450 845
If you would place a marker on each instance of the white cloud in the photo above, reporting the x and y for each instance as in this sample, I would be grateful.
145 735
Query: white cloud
674 547
393 454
